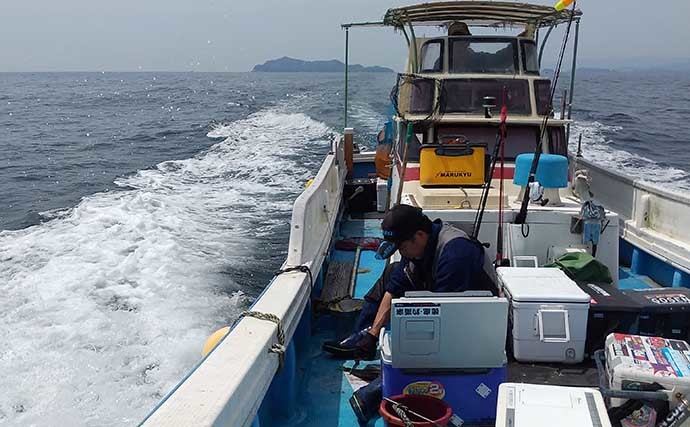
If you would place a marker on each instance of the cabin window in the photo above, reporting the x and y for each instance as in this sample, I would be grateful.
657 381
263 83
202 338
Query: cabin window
529 57
422 96
542 93
467 95
557 142
473 55
432 57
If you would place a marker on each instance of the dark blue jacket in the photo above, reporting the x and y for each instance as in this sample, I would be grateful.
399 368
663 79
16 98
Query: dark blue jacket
458 268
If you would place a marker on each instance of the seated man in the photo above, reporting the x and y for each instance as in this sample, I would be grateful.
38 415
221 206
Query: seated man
436 257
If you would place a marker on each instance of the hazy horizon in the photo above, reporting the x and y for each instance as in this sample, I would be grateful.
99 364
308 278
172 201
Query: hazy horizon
215 36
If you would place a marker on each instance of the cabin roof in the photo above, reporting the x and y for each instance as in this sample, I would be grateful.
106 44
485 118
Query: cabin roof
477 13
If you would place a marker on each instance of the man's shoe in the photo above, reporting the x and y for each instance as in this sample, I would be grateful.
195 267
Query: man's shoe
358 346
366 400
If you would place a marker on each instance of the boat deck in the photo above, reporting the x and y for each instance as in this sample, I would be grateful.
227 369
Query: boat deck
327 387
327 384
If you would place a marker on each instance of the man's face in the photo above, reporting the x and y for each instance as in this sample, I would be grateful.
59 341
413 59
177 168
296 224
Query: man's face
414 248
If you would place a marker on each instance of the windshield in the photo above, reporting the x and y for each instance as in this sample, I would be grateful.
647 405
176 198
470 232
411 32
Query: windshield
467 95
432 57
471 55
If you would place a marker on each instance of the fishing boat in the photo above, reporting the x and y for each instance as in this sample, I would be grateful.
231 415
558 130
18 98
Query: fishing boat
472 138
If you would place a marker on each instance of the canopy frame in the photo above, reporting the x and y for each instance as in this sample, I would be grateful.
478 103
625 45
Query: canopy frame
492 14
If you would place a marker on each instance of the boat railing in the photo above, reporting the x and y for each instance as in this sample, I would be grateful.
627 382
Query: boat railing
652 218
315 211
227 387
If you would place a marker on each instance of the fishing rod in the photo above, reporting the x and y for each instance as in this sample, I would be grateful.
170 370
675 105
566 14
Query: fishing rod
499 229
498 150
521 216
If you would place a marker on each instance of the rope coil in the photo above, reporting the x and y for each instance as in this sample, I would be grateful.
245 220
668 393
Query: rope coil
279 347
400 410
302 269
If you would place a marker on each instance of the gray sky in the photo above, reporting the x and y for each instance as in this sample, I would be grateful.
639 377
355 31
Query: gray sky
215 35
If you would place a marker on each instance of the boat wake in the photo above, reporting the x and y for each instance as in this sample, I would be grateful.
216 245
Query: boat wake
597 147
107 305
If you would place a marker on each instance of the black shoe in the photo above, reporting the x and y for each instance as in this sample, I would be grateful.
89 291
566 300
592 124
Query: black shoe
366 400
358 346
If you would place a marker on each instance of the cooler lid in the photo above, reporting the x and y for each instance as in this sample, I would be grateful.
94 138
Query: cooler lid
540 285
661 299
607 297
535 405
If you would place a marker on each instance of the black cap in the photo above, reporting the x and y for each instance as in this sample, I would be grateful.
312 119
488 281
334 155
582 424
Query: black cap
400 224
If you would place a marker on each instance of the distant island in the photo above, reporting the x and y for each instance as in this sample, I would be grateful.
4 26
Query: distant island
292 65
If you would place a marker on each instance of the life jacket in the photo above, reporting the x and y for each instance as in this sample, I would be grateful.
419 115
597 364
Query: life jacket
484 280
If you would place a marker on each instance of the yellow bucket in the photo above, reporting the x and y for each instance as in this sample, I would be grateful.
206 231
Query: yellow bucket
452 164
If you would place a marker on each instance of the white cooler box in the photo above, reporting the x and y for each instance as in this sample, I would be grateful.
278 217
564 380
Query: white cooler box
532 405
548 314
633 360
450 330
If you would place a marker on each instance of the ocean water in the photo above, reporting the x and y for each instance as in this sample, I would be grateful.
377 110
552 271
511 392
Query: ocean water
140 212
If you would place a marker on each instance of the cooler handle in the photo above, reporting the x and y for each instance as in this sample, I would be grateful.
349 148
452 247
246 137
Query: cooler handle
566 324
455 146
454 151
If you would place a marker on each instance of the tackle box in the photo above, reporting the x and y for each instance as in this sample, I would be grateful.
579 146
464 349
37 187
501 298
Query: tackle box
453 162
610 310
664 312
639 363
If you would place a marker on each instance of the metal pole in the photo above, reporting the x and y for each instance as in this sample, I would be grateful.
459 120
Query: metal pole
543 44
572 81
408 139
347 45
414 49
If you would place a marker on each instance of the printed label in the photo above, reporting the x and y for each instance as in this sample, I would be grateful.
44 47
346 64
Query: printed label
454 174
668 299
483 390
427 388
409 310
456 421
598 290
510 397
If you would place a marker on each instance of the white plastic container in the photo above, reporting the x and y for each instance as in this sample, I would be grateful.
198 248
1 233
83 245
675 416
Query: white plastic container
381 194
548 314
532 405
634 360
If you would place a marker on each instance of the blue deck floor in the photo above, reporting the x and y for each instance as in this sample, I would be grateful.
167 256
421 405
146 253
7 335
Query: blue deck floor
327 388
628 280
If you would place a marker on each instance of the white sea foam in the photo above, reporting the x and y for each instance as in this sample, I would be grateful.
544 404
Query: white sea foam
106 306
364 115
596 147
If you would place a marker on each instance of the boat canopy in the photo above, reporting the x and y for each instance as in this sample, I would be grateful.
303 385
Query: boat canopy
473 13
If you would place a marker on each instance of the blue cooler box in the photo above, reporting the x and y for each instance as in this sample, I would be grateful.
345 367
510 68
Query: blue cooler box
472 394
